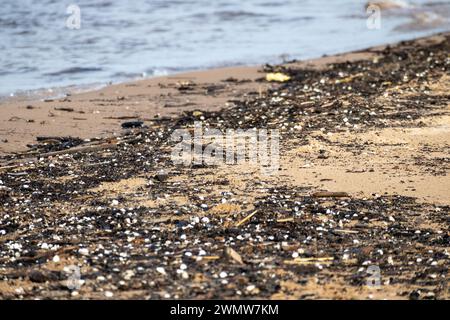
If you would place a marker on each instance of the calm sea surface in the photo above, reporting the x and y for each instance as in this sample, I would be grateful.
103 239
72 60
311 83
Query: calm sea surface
122 40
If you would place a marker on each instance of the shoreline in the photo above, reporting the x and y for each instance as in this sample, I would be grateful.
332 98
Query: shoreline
362 184
24 119
85 115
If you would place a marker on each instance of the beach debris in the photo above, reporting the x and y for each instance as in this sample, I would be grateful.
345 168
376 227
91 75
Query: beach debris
109 294
185 86
132 124
4 192
144 239
349 78
53 143
235 80
300 261
41 276
247 218
83 251
230 79
120 117
291 219
15 118
66 109
277 77
330 194
345 231
210 258
161 176
233 256
50 138
161 270
323 154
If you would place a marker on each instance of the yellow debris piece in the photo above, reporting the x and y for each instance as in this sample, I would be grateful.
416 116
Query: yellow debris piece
349 79
277 77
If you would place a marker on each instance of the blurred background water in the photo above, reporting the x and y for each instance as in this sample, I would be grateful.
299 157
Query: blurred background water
122 40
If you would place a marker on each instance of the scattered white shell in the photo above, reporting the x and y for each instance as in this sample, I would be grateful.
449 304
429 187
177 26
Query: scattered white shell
161 270
83 251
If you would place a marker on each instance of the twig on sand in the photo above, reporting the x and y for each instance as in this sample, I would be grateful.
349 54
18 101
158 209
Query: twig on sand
330 194
345 231
285 220
246 218
210 257
84 148
299 261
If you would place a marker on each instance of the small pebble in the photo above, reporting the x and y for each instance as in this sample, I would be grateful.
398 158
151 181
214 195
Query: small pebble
161 270
83 251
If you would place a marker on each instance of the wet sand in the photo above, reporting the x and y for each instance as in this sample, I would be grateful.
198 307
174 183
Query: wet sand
363 182
100 113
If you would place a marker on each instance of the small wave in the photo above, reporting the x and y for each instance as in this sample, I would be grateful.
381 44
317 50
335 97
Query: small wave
269 4
9 23
228 15
278 19
436 4
128 75
423 21
73 70
98 4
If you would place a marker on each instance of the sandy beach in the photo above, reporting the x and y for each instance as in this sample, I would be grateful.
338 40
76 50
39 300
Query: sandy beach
362 182
100 113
